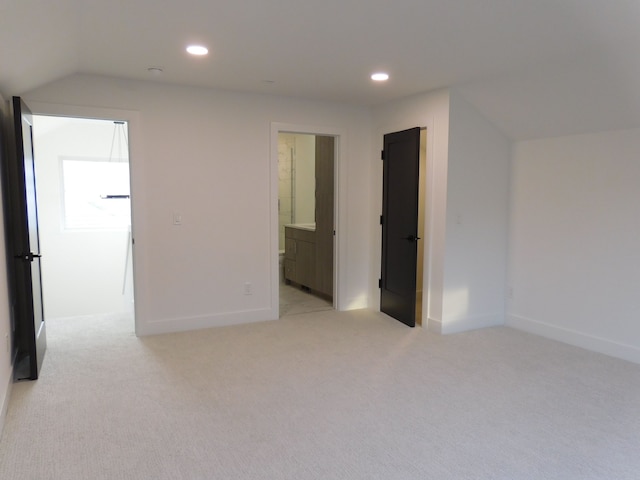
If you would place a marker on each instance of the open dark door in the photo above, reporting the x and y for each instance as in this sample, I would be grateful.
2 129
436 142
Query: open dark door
324 169
23 246
399 220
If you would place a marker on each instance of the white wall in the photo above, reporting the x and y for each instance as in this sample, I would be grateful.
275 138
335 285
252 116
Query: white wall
82 270
429 110
574 262
6 371
206 154
477 216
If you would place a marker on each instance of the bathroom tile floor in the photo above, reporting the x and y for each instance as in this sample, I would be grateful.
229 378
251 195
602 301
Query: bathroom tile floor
294 301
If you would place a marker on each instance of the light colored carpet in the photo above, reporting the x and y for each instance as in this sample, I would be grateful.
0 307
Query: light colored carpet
330 395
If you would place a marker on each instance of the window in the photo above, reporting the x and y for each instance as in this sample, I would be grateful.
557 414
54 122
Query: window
96 194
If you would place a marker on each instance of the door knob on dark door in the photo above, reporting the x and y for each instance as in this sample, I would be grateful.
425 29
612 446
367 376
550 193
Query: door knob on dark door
28 257
412 238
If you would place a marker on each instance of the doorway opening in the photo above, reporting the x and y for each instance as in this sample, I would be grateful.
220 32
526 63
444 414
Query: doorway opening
306 223
82 179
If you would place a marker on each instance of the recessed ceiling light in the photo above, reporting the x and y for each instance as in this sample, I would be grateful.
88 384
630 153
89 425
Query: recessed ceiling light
380 77
197 50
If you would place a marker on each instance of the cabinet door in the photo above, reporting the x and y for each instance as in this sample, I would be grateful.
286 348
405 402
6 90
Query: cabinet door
290 270
290 248
306 264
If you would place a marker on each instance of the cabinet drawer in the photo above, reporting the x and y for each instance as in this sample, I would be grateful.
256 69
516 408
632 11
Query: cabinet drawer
300 234
304 235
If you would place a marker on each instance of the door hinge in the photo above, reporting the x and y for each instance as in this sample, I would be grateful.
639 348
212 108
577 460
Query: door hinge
379 283
381 219
382 155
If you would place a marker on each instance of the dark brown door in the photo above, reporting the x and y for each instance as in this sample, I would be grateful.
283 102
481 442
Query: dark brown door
401 157
24 246
325 148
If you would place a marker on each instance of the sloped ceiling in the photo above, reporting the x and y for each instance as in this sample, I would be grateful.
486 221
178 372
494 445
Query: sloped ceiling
535 68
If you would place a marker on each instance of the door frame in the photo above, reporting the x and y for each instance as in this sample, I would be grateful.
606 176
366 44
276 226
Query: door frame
136 172
339 209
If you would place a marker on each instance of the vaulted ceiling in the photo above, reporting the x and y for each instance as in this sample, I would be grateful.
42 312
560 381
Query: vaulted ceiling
535 68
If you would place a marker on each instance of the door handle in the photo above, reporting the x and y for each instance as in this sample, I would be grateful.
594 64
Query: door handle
412 238
28 257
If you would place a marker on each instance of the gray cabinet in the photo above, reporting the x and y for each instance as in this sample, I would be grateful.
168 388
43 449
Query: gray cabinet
300 256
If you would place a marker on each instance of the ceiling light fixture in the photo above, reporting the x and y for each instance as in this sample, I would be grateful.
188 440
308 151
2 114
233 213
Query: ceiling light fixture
197 50
155 70
380 77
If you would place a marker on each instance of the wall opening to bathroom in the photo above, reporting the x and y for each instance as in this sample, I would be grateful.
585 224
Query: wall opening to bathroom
296 182
83 188
306 165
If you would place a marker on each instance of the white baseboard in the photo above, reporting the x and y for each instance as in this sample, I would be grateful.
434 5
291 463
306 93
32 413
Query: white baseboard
184 324
573 337
4 405
464 324
434 325
172 325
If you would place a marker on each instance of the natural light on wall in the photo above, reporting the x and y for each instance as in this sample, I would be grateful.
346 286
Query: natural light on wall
96 194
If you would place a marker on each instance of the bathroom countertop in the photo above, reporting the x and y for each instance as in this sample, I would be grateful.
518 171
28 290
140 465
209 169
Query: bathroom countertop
303 226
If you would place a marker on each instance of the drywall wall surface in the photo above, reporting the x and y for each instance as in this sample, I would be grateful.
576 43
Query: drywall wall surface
205 154
477 217
430 110
574 261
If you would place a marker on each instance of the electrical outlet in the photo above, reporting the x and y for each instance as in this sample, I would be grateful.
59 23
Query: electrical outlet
247 288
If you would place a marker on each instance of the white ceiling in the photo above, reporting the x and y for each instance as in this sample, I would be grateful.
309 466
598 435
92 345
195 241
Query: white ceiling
535 68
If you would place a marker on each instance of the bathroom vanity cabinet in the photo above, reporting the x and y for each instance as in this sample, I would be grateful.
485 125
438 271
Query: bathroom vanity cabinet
300 256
